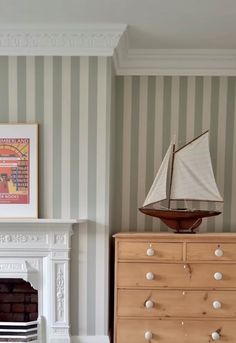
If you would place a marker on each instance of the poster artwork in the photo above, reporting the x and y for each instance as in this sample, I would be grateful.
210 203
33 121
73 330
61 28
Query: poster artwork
14 170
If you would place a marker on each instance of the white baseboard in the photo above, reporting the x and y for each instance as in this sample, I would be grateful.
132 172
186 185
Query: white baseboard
90 339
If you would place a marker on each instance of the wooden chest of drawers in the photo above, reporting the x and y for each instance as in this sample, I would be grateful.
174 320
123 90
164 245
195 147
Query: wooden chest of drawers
173 288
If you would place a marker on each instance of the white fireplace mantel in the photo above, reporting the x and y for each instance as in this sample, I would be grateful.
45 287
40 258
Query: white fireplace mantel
38 251
40 221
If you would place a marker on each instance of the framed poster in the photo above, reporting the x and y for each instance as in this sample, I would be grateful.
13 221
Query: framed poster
18 170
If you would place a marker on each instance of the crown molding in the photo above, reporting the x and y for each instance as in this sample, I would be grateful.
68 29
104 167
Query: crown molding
112 40
200 62
66 40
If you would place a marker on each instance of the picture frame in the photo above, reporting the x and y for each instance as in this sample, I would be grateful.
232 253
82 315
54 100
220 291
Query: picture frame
18 171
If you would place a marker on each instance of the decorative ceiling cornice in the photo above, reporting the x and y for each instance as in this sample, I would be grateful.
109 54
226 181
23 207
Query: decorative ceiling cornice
109 40
67 40
173 61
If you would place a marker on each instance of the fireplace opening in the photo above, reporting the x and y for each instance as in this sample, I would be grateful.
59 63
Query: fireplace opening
18 311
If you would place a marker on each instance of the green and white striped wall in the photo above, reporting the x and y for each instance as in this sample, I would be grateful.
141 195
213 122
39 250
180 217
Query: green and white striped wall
150 110
69 97
96 160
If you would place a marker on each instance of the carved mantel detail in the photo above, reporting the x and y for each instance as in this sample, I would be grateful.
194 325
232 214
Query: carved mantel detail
60 238
17 238
11 267
60 285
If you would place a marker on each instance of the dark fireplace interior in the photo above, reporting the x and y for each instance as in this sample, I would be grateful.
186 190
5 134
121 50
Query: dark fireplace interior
18 301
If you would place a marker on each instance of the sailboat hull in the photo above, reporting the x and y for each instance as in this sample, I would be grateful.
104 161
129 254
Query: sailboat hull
182 221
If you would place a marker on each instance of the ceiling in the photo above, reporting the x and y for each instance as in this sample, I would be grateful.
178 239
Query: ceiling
152 24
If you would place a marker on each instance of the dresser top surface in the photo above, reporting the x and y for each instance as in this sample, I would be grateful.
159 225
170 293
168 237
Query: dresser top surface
209 236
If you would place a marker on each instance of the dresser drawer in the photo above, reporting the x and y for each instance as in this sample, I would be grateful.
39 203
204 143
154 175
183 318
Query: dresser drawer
152 275
150 251
166 303
169 331
211 252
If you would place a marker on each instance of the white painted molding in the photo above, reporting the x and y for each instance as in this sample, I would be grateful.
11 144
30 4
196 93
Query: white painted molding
173 61
109 40
66 40
90 339
40 253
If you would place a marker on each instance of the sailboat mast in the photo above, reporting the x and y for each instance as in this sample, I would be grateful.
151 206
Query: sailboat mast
171 174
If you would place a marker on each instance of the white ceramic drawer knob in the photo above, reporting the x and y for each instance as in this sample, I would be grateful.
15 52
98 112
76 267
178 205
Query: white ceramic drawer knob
148 335
215 336
216 304
218 276
219 252
149 276
150 252
149 304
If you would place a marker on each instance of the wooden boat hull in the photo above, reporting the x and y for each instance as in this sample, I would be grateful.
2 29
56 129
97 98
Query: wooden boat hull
181 220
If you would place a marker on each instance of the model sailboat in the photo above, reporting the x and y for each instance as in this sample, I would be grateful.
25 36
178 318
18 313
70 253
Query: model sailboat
185 174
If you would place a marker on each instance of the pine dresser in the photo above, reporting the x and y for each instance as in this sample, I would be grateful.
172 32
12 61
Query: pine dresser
172 288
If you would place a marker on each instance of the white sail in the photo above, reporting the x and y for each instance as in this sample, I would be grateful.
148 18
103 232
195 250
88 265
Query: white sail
193 176
158 189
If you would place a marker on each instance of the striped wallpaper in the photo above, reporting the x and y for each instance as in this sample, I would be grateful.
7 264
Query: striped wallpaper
99 151
149 112
70 99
